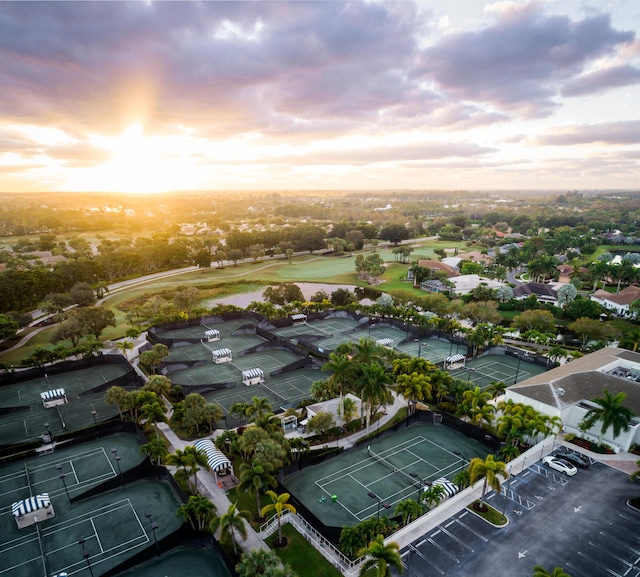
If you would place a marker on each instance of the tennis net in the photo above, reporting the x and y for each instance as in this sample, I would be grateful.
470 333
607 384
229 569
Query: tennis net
411 479
276 395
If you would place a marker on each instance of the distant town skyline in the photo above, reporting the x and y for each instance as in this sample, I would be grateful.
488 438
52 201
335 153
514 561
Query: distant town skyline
430 94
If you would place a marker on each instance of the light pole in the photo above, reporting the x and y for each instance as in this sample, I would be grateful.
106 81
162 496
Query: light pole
515 379
504 508
85 554
61 476
94 414
154 526
380 502
117 458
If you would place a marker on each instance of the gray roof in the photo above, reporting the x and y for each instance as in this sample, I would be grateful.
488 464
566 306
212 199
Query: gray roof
581 379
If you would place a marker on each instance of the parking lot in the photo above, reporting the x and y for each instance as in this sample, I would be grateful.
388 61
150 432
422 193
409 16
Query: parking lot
580 523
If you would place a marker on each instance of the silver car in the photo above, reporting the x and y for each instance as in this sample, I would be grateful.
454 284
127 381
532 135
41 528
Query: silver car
560 465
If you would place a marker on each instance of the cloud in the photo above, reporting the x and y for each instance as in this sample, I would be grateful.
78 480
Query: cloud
601 80
519 62
620 132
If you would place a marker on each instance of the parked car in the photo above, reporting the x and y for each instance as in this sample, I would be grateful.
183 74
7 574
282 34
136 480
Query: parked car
573 457
560 465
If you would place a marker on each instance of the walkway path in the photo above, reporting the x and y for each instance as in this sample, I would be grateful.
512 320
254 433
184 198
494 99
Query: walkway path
209 488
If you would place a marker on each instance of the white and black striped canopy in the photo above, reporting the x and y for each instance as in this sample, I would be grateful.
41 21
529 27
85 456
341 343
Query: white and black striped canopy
52 394
449 487
454 359
384 342
299 317
219 353
212 333
252 374
217 460
26 506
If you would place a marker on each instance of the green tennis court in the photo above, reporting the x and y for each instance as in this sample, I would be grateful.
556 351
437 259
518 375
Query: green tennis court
286 389
202 351
26 421
226 329
433 350
185 562
412 457
483 371
111 526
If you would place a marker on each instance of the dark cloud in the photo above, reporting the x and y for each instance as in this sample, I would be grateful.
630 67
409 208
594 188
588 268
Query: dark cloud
613 77
518 63
621 132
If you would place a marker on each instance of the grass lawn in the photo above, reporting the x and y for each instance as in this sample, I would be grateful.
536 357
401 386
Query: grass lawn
301 556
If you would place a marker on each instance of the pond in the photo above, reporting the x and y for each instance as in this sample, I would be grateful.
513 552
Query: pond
308 290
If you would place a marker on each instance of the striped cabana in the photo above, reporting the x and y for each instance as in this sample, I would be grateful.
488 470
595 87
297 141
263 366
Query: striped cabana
222 356
218 461
299 318
32 510
212 335
385 342
450 488
53 397
454 360
252 377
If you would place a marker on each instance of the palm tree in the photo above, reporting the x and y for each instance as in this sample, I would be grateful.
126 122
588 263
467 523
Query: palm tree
197 460
259 406
489 469
199 512
414 387
278 505
381 557
409 509
124 347
539 571
116 395
341 369
433 495
233 520
256 477
611 413
181 460
153 413
373 388
635 474
159 384
156 450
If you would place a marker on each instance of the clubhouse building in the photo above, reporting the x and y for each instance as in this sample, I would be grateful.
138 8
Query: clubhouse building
568 390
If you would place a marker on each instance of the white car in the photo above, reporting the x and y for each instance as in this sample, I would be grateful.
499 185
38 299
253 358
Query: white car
560 465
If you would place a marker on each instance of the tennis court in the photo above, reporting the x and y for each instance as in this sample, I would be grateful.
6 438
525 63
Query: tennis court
188 562
483 371
433 350
202 351
393 468
284 390
28 416
226 329
112 524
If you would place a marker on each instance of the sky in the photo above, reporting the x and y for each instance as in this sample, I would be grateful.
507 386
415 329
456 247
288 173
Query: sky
317 95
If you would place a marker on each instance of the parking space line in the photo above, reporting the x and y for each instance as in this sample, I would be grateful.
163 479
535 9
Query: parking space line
454 538
437 546
480 536
428 561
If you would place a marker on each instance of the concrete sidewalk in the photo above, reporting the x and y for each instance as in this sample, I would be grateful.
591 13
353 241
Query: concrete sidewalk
208 487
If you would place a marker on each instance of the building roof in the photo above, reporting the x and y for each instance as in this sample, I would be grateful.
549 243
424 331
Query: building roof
467 282
537 288
584 379
624 297
437 265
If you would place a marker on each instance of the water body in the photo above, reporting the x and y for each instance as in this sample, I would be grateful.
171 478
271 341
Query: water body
308 290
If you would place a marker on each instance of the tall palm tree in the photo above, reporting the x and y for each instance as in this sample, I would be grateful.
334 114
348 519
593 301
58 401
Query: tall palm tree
199 512
256 477
539 571
409 509
341 369
197 460
124 347
611 413
181 460
635 474
381 557
488 468
259 406
159 384
373 388
278 505
233 520
156 450
116 396
153 413
414 387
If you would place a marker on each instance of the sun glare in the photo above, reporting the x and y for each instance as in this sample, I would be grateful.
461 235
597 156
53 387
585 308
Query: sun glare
138 164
